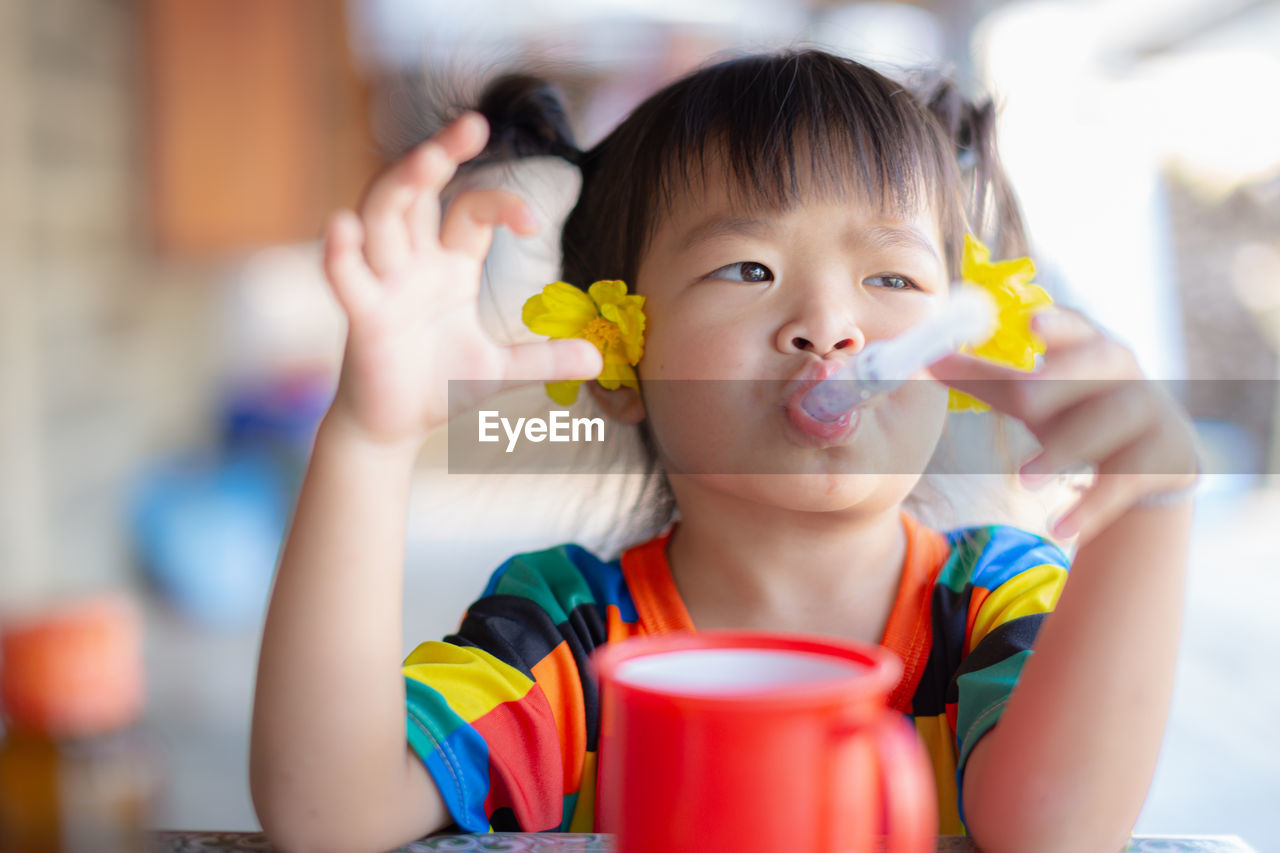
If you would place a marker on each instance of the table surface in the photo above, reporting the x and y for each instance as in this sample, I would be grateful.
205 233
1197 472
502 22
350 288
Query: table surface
220 842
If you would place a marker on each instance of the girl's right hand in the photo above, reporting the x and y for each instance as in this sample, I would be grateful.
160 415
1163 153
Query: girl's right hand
408 284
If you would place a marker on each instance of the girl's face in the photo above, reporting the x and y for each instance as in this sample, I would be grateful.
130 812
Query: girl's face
762 302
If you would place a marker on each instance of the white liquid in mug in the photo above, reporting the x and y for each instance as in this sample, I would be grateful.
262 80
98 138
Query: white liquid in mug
711 672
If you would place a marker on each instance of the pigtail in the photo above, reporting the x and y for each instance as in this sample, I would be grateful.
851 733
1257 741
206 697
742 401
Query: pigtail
527 118
994 215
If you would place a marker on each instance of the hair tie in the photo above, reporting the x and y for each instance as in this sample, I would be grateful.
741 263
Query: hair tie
565 151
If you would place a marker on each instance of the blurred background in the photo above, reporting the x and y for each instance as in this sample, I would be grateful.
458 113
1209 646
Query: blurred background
167 342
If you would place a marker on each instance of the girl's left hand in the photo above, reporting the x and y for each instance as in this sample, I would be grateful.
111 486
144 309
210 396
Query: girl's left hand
1089 404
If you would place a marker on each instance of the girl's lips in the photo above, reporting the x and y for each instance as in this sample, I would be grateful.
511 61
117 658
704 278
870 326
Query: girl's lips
808 377
822 433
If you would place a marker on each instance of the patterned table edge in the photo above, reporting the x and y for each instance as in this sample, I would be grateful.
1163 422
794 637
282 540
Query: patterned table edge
221 842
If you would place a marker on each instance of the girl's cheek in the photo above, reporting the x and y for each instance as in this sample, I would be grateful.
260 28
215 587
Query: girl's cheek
684 350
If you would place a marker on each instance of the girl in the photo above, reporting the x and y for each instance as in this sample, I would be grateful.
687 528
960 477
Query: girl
777 213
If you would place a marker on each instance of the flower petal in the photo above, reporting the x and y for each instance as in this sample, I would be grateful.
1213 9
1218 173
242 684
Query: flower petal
615 374
554 326
958 401
559 311
563 311
630 320
565 393
609 292
1017 299
562 296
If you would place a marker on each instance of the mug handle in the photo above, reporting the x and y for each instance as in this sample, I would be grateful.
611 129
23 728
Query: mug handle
907 787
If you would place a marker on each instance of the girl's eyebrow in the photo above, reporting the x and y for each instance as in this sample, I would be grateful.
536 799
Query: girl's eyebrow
718 225
877 236
899 237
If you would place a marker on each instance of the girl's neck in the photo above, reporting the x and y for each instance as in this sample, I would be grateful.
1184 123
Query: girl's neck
741 564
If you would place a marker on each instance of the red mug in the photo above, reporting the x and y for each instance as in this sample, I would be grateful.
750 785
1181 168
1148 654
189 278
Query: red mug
749 741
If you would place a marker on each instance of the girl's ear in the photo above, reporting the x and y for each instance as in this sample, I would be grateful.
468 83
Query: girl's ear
622 404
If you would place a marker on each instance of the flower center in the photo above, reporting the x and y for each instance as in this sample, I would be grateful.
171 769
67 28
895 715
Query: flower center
603 333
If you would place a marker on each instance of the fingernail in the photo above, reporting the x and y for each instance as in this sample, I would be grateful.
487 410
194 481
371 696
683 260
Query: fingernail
1065 528
1030 474
1032 480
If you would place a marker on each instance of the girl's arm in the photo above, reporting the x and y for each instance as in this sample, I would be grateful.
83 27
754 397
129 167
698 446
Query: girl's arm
330 766
1069 763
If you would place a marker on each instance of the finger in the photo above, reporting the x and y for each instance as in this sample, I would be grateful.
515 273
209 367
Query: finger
994 384
1100 505
1097 366
959 367
388 242
350 279
1122 478
470 220
462 140
551 361
1067 377
1061 327
414 184
1091 431
424 221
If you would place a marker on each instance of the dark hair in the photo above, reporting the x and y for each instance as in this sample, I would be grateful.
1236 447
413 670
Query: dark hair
990 205
526 118
776 125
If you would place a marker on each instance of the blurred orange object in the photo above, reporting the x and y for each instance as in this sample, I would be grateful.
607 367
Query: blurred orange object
76 671
75 774
257 122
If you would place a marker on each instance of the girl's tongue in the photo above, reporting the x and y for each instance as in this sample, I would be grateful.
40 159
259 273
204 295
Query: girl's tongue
807 378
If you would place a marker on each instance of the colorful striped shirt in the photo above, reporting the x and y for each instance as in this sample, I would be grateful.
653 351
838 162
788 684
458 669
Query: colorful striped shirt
505 712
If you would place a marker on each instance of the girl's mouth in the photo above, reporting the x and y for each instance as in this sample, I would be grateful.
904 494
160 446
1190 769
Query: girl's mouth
815 433
807 430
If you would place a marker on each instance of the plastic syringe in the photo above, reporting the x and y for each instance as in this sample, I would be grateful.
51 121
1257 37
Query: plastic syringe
968 318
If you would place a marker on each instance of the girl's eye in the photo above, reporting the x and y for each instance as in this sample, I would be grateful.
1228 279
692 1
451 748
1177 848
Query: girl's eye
891 282
748 272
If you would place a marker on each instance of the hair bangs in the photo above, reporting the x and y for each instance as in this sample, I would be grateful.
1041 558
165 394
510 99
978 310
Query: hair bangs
777 130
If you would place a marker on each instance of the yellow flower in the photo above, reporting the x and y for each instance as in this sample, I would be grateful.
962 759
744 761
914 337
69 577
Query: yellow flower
1017 299
606 315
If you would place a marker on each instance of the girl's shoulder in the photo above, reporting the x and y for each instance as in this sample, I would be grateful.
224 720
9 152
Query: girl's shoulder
561 579
989 555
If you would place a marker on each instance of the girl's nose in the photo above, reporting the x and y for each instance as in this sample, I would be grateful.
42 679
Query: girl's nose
821 335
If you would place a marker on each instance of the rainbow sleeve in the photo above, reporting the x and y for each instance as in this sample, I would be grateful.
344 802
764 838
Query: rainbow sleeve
504 713
1007 581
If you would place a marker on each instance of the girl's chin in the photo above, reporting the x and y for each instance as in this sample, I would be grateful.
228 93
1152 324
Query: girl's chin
810 492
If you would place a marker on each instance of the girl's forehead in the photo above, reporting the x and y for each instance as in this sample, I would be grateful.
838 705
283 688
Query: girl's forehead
715 204
717 183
